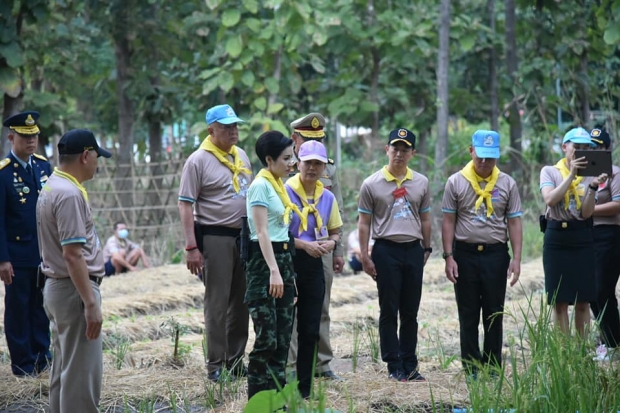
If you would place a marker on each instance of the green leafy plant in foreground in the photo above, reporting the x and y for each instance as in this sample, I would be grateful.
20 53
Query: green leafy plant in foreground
287 400
549 372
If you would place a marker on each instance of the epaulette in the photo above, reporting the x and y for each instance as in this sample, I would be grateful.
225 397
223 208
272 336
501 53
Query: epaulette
41 157
4 163
330 161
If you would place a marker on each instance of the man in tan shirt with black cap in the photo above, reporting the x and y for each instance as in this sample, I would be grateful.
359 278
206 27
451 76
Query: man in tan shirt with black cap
394 208
72 261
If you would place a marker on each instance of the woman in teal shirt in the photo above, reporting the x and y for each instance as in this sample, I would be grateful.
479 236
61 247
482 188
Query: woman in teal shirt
269 270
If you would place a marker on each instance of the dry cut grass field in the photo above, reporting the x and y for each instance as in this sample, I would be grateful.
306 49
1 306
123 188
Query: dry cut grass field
140 375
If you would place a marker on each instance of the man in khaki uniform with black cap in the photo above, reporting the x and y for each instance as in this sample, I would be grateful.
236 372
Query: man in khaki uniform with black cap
310 127
72 261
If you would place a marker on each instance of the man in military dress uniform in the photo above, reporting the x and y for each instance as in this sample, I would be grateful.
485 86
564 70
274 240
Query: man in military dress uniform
306 128
22 175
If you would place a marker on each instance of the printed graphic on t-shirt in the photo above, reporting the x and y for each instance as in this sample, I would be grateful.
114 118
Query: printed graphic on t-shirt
243 188
572 204
281 223
481 214
401 209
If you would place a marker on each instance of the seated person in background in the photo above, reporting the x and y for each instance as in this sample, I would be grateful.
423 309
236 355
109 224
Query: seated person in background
120 254
353 250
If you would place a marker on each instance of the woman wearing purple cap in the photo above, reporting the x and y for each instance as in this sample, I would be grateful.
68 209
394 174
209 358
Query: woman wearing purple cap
316 233
568 250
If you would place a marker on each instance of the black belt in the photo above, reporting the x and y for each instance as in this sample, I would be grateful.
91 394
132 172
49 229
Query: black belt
474 247
220 231
408 244
575 224
90 277
278 247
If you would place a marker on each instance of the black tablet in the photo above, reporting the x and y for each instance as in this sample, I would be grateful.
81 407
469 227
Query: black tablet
598 162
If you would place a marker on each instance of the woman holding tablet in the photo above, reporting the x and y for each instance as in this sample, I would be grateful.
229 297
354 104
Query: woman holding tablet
568 251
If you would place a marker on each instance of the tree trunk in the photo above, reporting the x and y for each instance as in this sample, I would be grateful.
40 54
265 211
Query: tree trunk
443 64
374 98
514 118
584 90
156 196
277 74
11 106
494 115
375 56
124 156
422 148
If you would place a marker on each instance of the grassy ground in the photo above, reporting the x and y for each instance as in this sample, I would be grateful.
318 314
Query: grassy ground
143 309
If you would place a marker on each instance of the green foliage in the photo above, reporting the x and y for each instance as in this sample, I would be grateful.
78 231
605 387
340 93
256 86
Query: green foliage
176 330
287 399
549 372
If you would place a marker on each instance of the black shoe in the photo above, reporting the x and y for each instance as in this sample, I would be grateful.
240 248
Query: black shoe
398 375
215 376
415 376
330 375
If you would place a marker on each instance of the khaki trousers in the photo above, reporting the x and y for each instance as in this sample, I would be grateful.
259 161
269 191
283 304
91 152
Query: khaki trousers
77 363
325 353
226 316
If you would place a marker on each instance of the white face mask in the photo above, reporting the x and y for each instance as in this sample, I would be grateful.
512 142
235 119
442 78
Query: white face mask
123 233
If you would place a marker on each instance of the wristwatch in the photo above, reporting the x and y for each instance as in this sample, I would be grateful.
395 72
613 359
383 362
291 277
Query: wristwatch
429 250
446 255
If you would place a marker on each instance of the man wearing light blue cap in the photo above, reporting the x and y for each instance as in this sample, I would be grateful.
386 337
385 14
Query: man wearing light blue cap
481 212
212 194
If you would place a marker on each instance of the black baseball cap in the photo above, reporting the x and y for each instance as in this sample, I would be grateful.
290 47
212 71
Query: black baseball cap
600 137
79 140
402 135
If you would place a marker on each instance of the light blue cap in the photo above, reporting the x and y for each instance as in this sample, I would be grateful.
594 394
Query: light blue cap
579 136
223 114
486 144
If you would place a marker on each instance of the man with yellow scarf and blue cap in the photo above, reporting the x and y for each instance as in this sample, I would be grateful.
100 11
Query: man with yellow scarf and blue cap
212 203
22 175
481 212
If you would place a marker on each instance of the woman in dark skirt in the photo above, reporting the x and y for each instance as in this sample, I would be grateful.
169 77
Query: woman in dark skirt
568 251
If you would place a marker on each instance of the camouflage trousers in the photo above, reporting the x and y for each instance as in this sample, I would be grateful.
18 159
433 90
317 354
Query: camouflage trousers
273 322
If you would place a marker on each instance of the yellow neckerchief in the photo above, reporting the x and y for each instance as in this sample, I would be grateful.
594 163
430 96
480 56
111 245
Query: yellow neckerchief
71 179
278 186
236 168
483 194
295 184
389 177
572 189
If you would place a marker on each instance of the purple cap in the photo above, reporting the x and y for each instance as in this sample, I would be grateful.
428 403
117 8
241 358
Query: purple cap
312 150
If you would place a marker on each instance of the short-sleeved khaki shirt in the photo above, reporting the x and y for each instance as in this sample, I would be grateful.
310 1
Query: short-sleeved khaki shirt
395 217
609 192
114 244
551 176
208 185
472 225
64 217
